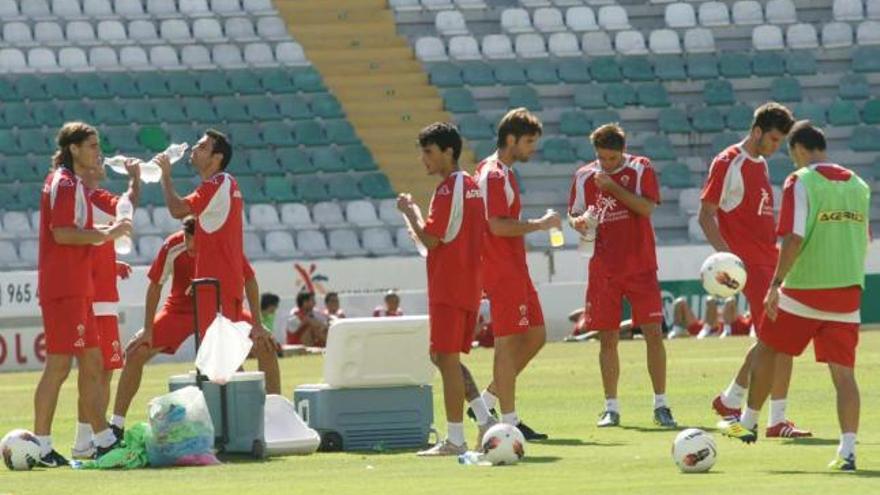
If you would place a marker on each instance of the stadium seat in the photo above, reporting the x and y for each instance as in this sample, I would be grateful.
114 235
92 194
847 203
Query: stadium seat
872 9
207 29
680 15
842 113
450 23
735 65
854 87
46 32
345 243
271 28
497 46
328 214
564 45
328 160
12 60
620 95
389 214
280 189
253 247
309 133
801 36
708 120
17 114
673 120
613 18
313 243
294 107
445 75
699 40
785 89
462 48
475 127
231 109
592 97
280 134
747 13
261 108
781 12
42 59
376 185
280 245
865 138
658 147
296 216
695 232
110 113
431 49
194 7
580 19
548 20
17 224
227 55
362 213
575 123
848 10
129 8
718 92
605 69
133 57
767 37
714 14
630 43
800 63
161 7
670 68
175 30
72 58
653 95
865 59
542 72
17 33
813 112
471 4
871 112
437 4
837 35
779 168
9 255
290 53
676 176
637 68
524 96
377 241
263 217
868 33
664 42
530 45
311 189
557 150
277 81
142 30
259 55
516 21
766 64
602 117
357 157
459 100
340 132
596 44
44 113
739 118
404 242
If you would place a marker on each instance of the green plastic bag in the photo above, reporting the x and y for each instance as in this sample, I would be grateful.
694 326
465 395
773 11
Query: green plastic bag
131 456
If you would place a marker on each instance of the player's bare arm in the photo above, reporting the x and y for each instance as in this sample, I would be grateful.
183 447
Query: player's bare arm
73 236
709 224
177 207
641 205
133 167
261 337
791 246
406 206
512 227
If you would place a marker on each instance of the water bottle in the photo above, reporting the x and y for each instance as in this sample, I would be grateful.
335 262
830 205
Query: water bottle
150 171
587 242
556 237
473 458
124 211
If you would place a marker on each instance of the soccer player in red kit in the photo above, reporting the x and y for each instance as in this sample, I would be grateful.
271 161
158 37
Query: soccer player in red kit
736 215
453 234
66 289
517 319
165 331
623 189
105 270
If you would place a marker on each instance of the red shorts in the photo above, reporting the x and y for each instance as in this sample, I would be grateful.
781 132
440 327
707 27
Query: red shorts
231 308
69 325
171 328
452 329
515 308
758 280
695 327
833 341
741 326
605 298
111 351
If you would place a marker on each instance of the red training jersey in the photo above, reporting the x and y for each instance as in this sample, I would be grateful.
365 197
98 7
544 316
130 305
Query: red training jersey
104 256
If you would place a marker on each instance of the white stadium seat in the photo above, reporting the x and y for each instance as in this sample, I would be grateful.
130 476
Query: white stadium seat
664 42
534 3
747 13
580 19
767 37
868 33
97 8
48 32
630 43
72 58
405 5
497 46
471 4
142 30
516 21
695 232
8 254
430 49
207 28
17 224
226 7
781 12
163 220
345 243
549 20
437 4
80 32
613 17
837 35
297 216
164 56
680 15
362 213
872 9
464 48
253 247
699 40
175 30
259 54
689 200
142 222
714 14
378 242
35 8
28 250
240 28
404 241
272 28
264 217
149 246
111 30
194 7
17 33
450 23
66 8
8 9
328 215
103 57
313 243
161 7
848 10
389 213
129 8
290 53
258 6
227 55
42 59
280 244
564 45
12 60
802 36
530 45
596 44
195 56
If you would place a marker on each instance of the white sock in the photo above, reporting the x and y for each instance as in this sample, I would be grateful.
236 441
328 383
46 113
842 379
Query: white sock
750 418
105 438
704 332
478 406
726 331
117 420
455 433
847 445
45 444
676 331
733 396
489 399
660 401
612 405
777 412
83 436
510 418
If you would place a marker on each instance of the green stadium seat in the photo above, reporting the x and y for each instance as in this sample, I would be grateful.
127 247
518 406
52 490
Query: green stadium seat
475 127
245 82
29 196
620 95
252 189
294 107
376 185
854 87
842 112
278 134
718 92
122 85
311 189
326 106
866 59
213 83
8 142
637 68
735 65
121 139
183 84
153 138
277 81
343 187
328 160
231 109
263 161
245 135
657 147
445 75
739 118
676 176
90 85
871 112
477 74
46 113
509 73
653 95
602 117
279 189
814 112
17 114
779 168
721 141
542 72
584 150
200 110
180 170
786 90
151 195
800 63
670 68
34 141
61 87
574 123
524 96
865 138
30 87
294 160
183 133
557 150
22 171
459 100
7 89
309 81
110 113
605 69
767 64
262 108
702 66
708 119
310 133
77 110
153 84
673 120
340 132
592 96
139 111
483 149
170 111
574 71
358 157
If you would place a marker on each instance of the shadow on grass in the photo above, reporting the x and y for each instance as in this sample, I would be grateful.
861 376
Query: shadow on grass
652 429
546 459
575 442
809 441
863 473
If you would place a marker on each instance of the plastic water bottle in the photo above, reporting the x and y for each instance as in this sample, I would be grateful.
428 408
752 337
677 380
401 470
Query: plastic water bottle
150 171
587 242
124 211
556 237
473 458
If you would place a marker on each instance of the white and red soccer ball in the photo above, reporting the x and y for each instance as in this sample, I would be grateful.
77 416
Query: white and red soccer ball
694 451
503 445
20 450
723 275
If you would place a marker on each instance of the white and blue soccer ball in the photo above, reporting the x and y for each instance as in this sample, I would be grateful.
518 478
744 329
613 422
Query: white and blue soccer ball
503 445
20 450
723 275
694 451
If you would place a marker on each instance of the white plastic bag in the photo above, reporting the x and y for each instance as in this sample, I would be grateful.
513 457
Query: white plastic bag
181 428
225 347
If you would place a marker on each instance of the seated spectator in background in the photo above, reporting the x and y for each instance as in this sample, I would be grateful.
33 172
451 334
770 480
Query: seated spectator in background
304 325
269 306
685 322
734 323
332 311
578 317
483 336
392 306
579 332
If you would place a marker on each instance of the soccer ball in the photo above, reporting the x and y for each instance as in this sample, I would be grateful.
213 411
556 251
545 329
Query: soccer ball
694 451
723 274
503 445
20 450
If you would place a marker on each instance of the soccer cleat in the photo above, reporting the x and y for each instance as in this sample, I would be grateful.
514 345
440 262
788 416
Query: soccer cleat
728 413
530 434
52 460
845 464
663 417
786 429
482 429
608 419
118 431
492 413
444 448
100 451
83 454
736 430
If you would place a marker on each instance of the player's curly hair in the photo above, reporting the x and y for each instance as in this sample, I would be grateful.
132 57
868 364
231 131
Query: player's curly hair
70 133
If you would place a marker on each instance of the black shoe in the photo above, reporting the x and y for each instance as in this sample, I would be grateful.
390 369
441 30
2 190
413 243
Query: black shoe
663 417
530 434
100 451
119 432
470 413
52 460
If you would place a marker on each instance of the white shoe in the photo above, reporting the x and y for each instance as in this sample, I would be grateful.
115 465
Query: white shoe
83 453
444 448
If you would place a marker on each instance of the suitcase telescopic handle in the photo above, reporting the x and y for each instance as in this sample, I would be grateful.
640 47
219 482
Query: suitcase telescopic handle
196 283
